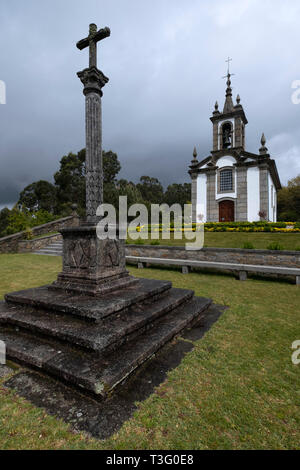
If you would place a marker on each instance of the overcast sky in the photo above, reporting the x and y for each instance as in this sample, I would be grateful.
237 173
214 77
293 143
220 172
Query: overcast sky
165 60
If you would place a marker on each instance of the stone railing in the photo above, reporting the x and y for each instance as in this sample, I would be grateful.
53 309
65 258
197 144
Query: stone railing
225 255
14 243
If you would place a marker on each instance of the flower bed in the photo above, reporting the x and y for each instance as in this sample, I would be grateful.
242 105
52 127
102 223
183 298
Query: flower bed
284 227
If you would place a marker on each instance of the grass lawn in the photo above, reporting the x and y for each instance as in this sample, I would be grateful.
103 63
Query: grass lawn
260 241
237 389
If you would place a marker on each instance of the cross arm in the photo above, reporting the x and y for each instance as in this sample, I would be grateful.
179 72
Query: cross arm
83 43
102 34
98 36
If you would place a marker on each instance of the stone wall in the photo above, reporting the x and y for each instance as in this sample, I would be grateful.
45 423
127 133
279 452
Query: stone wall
241 201
10 244
264 190
28 246
212 204
194 198
226 255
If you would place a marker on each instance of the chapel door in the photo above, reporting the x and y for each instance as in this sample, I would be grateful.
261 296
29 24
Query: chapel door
226 211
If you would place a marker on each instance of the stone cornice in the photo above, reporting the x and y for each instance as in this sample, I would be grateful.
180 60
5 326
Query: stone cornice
240 155
237 112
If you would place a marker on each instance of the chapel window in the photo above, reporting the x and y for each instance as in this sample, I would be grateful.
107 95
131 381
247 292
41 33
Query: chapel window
226 181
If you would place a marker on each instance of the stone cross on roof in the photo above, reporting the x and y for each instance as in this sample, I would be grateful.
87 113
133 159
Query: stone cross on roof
228 61
228 106
91 42
228 71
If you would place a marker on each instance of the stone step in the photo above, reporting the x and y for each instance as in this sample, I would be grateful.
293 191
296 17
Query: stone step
51 247
52 250
108 336
46 254
86 370
89 308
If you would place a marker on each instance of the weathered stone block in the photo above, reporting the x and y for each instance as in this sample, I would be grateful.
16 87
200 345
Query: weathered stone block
90 264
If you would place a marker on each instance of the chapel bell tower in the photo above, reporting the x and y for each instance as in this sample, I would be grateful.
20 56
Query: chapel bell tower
229 125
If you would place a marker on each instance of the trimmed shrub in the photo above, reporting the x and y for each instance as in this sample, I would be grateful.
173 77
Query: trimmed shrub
248 246
28 234
275 246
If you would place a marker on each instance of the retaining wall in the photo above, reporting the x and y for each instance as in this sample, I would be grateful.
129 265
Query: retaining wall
11 243
227 255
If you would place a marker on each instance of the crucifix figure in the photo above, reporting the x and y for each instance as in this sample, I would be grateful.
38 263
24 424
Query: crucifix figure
91 42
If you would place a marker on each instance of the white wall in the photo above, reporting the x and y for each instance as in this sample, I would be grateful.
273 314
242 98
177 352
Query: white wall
272 200
253 199
202 196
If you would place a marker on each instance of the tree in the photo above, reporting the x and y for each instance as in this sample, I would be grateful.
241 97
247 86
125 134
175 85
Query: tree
151 190
129 189
178 194
4 219
70 180
19 220
289 201
39 195
111 167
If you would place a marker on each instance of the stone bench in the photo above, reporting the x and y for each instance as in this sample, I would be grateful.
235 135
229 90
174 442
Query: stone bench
241 269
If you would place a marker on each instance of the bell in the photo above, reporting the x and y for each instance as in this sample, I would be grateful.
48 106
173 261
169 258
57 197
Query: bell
227 141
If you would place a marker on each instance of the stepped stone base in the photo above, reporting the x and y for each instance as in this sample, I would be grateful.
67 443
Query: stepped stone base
93 286
95 342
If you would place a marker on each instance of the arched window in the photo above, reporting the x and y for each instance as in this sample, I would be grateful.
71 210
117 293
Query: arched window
226 180
226 135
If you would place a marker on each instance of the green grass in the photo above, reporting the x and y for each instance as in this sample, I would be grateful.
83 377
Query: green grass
237 389
260 241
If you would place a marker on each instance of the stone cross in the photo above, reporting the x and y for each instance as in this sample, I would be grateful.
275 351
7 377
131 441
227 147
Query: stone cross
228 62
91 42
93 80
228 71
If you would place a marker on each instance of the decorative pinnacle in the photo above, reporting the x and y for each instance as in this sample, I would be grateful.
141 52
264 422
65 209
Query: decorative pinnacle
217 106
228 80
238 99
195 153
263 148
228 106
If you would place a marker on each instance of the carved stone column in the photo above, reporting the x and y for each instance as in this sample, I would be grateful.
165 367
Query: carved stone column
93 81
92 265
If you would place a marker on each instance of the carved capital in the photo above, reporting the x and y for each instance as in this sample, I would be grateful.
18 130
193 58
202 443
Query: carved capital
93 80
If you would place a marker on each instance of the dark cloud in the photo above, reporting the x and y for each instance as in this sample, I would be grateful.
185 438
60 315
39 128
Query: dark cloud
165 60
